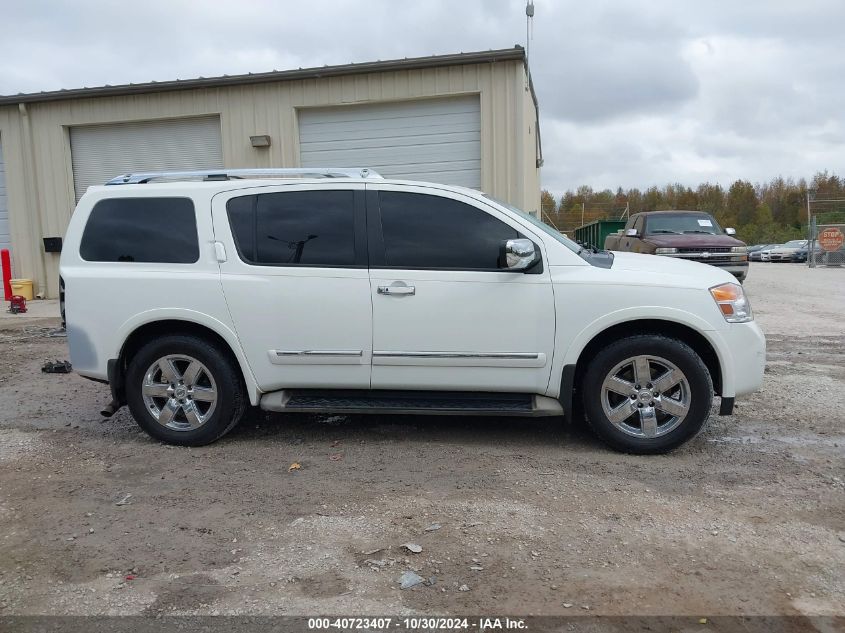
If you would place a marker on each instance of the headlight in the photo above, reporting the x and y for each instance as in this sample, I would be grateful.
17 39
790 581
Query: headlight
739 249
732 302
665 251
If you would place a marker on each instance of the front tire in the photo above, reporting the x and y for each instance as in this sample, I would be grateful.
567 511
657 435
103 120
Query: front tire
647 394
184 390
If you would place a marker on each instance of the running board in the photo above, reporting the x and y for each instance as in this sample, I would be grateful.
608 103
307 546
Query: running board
410 402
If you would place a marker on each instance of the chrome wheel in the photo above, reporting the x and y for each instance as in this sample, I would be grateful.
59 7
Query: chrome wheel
645 396
179 392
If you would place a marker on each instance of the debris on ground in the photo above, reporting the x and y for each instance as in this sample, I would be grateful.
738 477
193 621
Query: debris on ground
433 527
336 457
57 367
125 501
409 579
294 466
376 562
412 547
463 588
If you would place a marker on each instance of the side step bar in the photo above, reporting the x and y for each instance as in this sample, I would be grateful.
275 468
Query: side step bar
410 402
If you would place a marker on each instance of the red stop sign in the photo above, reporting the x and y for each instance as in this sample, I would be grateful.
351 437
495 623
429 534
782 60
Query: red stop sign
831 239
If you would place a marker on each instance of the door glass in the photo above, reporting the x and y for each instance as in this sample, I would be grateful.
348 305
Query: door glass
424 231
295 228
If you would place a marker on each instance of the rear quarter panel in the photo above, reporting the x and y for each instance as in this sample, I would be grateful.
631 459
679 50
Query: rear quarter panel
106 301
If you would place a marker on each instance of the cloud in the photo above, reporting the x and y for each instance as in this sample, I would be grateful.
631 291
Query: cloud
632 94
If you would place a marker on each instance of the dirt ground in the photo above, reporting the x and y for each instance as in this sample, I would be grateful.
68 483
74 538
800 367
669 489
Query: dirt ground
535 517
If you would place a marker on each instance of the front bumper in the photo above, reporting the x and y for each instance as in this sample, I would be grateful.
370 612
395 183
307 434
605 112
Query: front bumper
736 264
740 271
743 355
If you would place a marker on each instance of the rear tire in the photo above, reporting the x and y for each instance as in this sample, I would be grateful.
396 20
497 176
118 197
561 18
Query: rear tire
647 394
184 390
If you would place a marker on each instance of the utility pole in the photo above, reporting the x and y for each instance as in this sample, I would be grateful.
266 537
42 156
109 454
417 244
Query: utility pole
583 210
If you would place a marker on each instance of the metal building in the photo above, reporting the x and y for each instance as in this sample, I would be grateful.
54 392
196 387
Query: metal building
467 119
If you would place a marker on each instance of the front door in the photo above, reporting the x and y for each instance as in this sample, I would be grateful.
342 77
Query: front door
295 280
445 316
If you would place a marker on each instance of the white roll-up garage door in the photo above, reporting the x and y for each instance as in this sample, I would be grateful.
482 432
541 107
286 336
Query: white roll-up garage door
431 139
5 231
101 152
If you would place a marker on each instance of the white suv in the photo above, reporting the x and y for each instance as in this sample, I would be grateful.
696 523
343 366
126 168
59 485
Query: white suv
195 295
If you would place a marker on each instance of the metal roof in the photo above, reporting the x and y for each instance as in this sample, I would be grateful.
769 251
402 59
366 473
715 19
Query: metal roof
516 53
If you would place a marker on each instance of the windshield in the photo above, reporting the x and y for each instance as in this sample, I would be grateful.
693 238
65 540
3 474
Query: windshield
795 243
560 237
682 223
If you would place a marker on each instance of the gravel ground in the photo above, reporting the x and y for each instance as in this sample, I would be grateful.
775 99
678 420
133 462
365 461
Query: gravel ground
512 516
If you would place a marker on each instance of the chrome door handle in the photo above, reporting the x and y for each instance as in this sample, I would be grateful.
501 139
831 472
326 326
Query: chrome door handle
397 290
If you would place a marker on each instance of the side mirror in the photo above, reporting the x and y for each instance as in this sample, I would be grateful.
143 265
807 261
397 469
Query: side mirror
517 255
631 233
730 231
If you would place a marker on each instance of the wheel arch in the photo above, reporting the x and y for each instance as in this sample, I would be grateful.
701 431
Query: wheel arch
573 371
685 333
137 334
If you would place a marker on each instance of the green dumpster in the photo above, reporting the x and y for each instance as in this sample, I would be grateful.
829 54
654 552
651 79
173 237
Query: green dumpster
595 232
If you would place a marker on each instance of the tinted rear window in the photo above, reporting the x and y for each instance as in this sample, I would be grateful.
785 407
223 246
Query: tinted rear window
146 230
295 228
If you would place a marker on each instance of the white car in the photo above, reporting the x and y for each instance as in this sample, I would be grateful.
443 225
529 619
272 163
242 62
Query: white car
195 295
766 252
786 252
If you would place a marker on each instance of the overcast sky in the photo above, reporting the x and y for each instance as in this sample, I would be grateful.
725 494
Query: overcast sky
632 92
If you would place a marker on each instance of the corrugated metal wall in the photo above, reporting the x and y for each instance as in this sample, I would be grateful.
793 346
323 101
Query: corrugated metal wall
5 237
36 137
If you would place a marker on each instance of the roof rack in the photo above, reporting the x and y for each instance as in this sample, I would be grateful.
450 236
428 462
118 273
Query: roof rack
237 174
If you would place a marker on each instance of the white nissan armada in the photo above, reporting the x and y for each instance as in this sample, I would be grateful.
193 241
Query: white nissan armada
318 290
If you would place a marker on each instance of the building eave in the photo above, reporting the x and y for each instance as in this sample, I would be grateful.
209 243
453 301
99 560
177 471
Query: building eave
432 61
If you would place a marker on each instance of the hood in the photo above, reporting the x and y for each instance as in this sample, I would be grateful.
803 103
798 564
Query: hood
681 271
692 240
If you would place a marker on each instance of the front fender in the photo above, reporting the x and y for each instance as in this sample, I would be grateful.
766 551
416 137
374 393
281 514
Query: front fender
579 342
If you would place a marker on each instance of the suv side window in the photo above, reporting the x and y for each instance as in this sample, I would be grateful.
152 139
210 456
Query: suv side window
427 231
295 228
145 230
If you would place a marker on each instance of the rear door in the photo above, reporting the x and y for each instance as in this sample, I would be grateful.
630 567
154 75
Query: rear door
295 280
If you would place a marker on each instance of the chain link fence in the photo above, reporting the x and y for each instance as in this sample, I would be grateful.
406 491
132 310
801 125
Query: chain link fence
827 243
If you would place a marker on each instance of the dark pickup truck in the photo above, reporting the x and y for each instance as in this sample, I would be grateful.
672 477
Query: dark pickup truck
691 235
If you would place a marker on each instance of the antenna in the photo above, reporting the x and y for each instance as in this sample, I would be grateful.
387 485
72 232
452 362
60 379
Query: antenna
529 31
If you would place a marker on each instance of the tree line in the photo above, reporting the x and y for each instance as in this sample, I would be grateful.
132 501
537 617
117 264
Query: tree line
771 212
